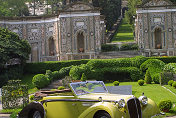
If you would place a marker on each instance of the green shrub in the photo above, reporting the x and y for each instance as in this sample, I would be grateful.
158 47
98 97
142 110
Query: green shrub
116 83
171 67
40 81
77 71
170 59
83 78
119 74
170 82
152 63
165 77
64 71
156 78
129 47
154 67
49 75
165 105
148 78
41 67
61 88
141 82
108 47
120 62
174 84
15 72
31 97
56 75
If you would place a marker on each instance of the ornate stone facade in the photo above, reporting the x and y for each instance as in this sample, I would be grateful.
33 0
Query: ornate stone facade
76 33
155 29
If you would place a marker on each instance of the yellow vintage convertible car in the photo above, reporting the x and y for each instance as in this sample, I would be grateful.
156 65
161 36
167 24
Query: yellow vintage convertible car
90 99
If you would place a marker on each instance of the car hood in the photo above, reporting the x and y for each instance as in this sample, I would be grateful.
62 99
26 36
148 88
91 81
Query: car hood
105 96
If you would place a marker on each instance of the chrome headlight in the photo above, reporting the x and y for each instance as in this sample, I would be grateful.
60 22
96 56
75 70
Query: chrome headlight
143 100
121 103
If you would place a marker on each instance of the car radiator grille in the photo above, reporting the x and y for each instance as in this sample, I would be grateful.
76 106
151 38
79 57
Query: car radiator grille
134 108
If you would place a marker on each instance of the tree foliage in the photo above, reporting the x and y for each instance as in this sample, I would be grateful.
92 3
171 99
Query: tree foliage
11 46
13 8
129 15
111 9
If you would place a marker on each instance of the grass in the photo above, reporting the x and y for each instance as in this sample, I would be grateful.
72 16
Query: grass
170 88
153 91
124 33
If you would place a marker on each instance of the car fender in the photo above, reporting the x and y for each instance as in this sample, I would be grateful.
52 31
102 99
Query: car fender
102 106
150 109
33 106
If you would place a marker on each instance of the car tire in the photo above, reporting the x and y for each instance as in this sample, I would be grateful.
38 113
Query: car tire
102 115
36 114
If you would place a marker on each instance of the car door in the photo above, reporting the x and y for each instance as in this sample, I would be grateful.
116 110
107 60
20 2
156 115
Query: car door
61 107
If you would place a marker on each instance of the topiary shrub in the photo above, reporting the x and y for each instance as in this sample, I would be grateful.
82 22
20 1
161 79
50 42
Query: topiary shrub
83 78
174 84
63 72
49 75
116 83
156 78
61 88
141 82
155 67
40 81
165 105
148 78
170 82
56 75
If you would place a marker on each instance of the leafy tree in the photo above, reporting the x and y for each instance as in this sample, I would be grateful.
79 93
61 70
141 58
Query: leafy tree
11 46
129 15
111 9
13 8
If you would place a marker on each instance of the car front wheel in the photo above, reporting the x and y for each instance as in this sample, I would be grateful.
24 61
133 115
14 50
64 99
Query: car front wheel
102 115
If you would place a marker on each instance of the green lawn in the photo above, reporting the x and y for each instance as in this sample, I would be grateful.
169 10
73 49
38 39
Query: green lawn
124 33
170 88
153 91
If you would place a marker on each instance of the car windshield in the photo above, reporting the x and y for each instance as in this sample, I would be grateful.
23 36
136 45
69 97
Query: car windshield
81 88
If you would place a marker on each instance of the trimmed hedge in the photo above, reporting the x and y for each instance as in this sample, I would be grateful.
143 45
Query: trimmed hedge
129 47
110 47
117 74
155 67
106 48
41 67
120 62
170 59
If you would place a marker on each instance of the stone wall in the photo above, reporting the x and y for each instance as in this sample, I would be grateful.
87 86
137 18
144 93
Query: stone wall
55 38
155 28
